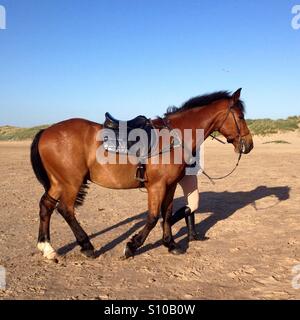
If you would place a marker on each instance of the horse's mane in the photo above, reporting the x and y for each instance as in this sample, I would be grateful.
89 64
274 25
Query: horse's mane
206 99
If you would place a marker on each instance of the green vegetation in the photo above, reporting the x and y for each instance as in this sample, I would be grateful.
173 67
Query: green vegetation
8 133
277 141
268 126
257 127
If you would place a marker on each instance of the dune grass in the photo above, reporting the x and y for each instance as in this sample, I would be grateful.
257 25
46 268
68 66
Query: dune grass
268 126
10 133
257 127
277 142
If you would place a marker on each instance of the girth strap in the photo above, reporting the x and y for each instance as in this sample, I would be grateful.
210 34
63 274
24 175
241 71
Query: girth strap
140 174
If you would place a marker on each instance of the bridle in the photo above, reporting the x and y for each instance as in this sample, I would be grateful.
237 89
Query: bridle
167 124
240 139
230 111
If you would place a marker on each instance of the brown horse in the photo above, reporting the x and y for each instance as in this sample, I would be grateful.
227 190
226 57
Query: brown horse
63 158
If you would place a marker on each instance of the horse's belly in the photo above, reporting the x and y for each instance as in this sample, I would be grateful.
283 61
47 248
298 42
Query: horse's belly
114 176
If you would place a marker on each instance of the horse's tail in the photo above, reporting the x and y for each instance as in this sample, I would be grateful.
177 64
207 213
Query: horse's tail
36 162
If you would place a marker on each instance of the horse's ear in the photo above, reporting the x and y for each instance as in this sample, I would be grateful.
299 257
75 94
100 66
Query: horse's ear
236 95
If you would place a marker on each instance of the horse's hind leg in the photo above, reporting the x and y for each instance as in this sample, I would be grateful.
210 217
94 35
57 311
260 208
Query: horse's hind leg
66 209
47 205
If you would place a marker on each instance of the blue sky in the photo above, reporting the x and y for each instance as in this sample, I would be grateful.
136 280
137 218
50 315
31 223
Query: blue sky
71 58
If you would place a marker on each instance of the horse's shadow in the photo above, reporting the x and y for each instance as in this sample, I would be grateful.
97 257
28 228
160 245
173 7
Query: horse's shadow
221 205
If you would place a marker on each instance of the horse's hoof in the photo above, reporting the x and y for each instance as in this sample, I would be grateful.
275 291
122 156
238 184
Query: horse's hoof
53 259
197 237
129 251
176 250
48 252
90 253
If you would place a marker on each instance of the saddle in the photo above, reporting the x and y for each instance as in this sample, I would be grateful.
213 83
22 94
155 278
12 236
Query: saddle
120 141
117 139
138 122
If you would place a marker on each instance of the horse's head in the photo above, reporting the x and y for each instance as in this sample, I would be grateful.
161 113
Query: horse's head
233 127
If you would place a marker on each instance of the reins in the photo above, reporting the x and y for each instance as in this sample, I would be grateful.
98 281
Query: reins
211 179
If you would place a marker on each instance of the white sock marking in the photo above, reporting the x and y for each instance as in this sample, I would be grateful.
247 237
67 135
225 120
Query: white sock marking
47 250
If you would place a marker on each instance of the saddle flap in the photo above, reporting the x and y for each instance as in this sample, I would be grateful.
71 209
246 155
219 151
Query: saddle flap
139 146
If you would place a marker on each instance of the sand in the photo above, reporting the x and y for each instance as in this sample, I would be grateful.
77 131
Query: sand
252 220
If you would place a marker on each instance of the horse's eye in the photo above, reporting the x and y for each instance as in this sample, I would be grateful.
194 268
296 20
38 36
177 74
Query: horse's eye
241 117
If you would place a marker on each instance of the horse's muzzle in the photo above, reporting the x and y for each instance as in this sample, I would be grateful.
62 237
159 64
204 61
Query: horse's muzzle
246 145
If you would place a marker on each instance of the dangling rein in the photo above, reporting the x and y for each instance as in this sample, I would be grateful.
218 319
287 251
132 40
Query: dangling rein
211 179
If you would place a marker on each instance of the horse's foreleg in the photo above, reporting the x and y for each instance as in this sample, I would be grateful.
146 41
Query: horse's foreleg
166 211
156 195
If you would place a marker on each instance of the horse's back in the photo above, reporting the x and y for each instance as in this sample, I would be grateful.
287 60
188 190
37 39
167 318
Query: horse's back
70 132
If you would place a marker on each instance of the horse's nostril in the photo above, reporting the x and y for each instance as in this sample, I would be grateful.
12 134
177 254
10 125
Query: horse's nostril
248 147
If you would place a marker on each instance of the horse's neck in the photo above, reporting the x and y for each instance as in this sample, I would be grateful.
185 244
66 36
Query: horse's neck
199 118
